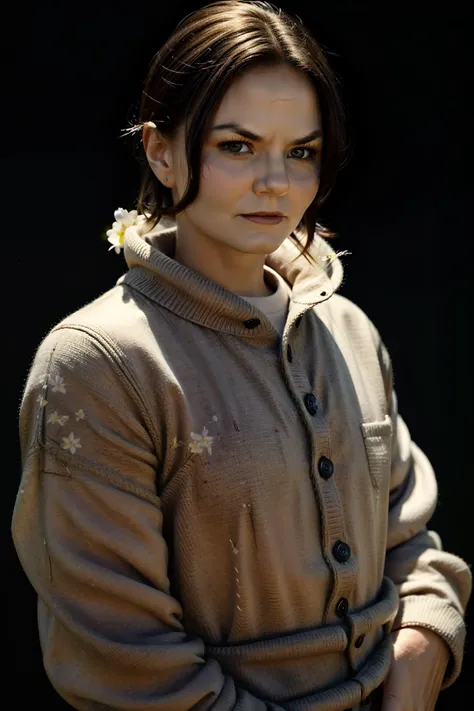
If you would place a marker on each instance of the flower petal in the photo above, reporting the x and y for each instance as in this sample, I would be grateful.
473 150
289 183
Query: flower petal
120 214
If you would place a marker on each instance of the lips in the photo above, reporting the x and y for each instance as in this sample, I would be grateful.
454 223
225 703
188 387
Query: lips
264 219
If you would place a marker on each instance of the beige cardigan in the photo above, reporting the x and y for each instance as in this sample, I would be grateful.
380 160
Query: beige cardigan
215 515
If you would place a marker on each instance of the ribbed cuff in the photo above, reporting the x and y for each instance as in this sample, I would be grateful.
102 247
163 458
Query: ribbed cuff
437 615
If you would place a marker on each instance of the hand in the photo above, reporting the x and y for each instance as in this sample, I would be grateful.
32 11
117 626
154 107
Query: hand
416 674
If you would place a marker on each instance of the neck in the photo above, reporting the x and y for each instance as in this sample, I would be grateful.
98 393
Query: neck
243 274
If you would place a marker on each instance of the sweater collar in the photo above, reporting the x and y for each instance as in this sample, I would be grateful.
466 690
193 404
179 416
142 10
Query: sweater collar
192 296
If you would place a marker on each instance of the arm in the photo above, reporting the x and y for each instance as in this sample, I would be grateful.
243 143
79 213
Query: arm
87 527
434 585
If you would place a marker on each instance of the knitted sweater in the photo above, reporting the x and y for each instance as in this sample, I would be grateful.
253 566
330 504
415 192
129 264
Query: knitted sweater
220 509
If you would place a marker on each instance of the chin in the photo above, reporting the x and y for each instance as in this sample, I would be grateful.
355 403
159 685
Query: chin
259 243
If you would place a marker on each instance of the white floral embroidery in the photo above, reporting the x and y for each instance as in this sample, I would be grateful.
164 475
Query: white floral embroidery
195 447
41 400
54 419
214 418
58 384
71 443
80 414
201 441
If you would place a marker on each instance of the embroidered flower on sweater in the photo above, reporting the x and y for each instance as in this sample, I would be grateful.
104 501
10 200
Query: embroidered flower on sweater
71 443
201 442
54 419
58 384
123 220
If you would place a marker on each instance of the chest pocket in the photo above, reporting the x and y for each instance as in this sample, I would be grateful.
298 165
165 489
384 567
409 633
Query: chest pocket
378 446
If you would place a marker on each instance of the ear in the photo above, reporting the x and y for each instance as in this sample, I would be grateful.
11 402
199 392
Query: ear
159 155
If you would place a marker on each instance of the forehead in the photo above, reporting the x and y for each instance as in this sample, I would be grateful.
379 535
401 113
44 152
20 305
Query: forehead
266 93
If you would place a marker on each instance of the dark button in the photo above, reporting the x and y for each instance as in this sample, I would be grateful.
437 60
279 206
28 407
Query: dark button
359 641
323 293
252 323
311 403
342 607
341 552
298 321
326 468
289 354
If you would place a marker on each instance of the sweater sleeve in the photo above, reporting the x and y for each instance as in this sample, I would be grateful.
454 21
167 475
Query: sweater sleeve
434 585
87 527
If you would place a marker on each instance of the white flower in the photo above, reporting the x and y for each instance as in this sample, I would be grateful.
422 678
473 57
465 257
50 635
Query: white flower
71 443
201 441
80 414
58 384
41 401
123 220
53 418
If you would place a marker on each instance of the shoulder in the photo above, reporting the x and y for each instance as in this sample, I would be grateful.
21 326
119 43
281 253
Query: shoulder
345 316
111 332
82 344
117 317
91 356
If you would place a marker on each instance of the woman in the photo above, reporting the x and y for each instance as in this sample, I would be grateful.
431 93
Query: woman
221 507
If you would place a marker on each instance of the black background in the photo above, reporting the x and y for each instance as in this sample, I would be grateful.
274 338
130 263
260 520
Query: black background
73 76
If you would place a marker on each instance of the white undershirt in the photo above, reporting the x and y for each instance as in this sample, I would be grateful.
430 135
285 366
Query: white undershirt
275 306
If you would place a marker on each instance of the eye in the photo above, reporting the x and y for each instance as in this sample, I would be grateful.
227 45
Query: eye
313 153
228 147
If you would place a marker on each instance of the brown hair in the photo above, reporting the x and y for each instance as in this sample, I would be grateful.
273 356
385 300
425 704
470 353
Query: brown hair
192 70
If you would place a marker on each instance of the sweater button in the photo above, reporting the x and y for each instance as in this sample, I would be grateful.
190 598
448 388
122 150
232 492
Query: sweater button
326 468
341 551
359 641
342 607
252 323
311 403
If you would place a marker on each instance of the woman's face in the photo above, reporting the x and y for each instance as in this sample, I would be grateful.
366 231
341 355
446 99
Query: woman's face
240 175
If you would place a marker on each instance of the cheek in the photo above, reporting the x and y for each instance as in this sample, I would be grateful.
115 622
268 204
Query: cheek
223 182
216 169
305 186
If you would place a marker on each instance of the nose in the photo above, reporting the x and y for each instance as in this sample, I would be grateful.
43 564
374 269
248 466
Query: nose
272 178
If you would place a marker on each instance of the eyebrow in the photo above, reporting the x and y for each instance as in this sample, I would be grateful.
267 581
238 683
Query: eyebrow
317 133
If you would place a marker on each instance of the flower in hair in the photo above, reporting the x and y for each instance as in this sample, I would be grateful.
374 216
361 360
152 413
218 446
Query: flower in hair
123 220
